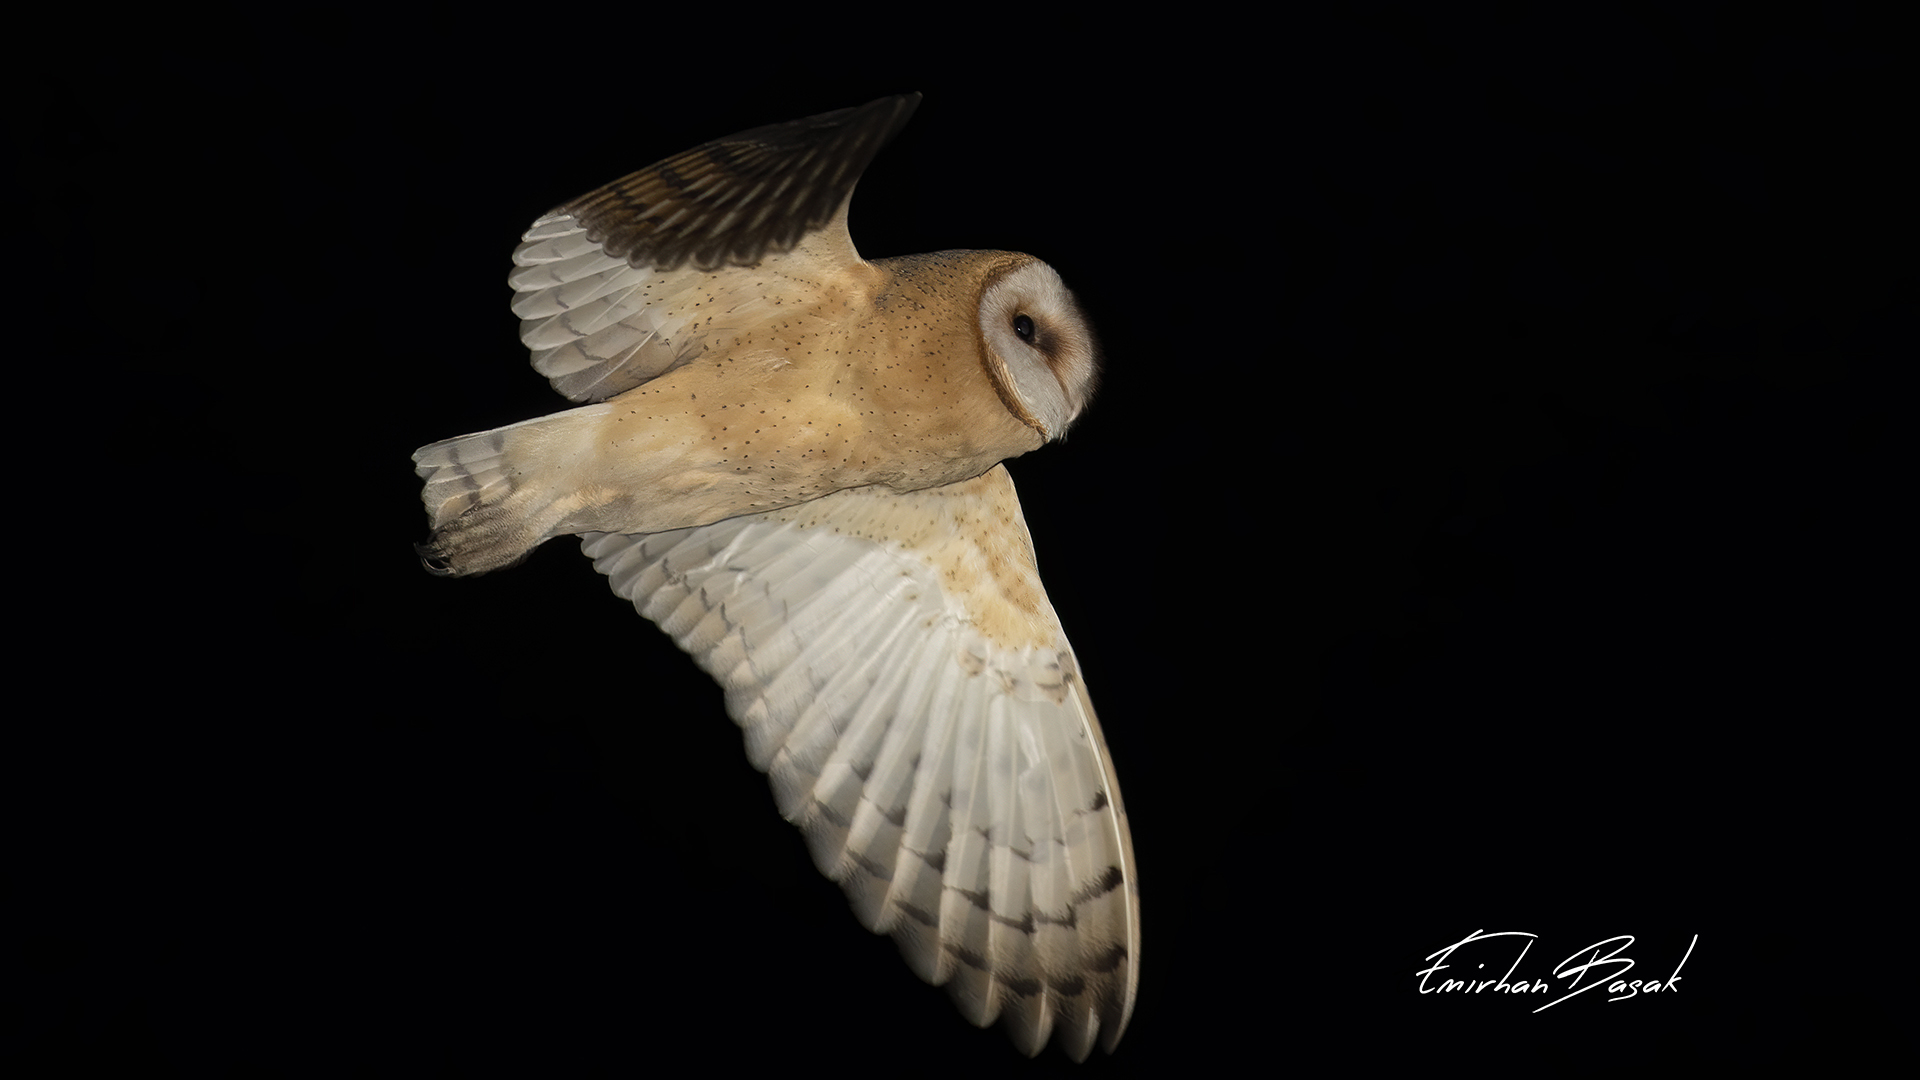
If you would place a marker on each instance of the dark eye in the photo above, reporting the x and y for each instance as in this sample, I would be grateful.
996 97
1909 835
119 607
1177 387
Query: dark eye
1023 326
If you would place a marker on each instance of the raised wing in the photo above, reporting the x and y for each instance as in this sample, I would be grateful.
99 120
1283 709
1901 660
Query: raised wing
619 285
903 681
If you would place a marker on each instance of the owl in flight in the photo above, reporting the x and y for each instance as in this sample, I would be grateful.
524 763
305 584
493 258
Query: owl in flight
789 458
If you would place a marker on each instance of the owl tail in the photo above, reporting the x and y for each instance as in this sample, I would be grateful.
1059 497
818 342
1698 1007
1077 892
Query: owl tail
487 496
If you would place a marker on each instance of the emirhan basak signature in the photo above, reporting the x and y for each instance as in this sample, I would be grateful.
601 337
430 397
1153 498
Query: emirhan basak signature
1608 971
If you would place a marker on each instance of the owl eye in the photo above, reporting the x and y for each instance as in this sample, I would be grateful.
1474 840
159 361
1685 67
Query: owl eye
1023 326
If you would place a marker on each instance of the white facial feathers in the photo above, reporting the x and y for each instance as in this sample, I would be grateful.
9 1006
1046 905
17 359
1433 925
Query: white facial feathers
1038 346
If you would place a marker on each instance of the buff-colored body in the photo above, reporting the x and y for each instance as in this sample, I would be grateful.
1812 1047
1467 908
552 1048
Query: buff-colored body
812 376
873 379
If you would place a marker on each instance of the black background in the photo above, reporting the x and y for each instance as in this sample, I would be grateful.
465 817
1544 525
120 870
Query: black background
1488 520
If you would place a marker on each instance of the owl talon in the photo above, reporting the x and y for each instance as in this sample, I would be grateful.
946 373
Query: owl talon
431 562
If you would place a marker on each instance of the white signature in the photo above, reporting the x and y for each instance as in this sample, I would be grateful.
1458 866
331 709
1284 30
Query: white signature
1607 971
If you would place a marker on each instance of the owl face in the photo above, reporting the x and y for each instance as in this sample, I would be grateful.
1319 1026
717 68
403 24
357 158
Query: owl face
788 457
1038 347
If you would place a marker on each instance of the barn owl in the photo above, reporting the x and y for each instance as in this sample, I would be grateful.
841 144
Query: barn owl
789 459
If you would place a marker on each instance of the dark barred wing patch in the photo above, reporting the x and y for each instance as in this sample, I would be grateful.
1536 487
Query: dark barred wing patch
737 199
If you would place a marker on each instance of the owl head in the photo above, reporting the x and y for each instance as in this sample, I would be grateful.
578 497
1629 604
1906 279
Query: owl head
1034 343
